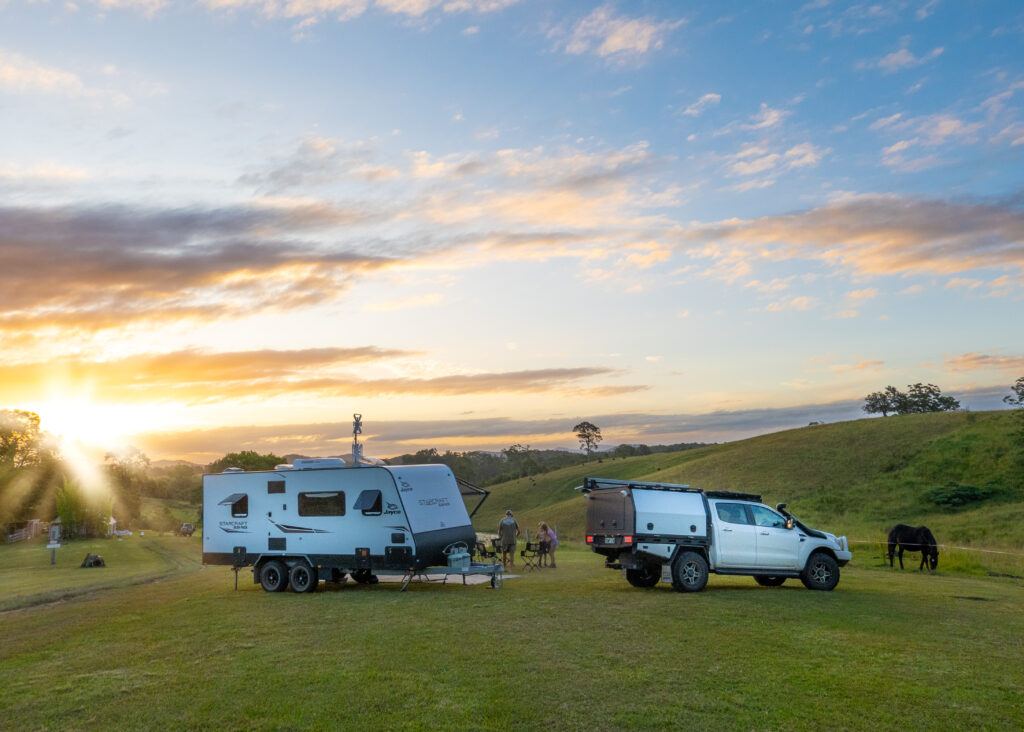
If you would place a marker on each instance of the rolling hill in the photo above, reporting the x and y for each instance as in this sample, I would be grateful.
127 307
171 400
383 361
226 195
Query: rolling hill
857 477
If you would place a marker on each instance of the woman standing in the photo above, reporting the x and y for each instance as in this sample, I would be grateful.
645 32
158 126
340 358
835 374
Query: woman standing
548 543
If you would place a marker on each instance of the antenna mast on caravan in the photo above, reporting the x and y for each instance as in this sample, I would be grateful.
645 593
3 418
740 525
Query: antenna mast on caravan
357 449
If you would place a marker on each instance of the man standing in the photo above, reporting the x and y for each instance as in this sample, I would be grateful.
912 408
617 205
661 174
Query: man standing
508 531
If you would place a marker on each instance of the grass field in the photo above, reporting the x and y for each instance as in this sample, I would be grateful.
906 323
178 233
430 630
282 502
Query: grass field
26 577
572 648
155 640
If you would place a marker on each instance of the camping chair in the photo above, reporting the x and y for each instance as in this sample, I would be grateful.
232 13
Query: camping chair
531 555
484 553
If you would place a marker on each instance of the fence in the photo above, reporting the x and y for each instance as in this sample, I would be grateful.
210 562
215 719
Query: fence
969 559
30 530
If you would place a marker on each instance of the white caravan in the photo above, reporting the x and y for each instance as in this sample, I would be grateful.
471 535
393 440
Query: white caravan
655 529
322 519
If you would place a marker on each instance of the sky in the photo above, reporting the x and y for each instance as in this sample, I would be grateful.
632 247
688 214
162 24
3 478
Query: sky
230 224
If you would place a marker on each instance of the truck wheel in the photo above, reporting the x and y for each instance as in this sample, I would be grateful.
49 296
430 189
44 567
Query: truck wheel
303 578
768 581
274 576
821 572
689 572
646 577
364 577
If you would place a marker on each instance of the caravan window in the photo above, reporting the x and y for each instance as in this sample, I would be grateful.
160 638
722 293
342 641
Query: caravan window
322 504
370 503
240 507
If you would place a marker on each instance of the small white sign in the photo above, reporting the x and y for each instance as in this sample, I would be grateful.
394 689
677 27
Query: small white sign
53 546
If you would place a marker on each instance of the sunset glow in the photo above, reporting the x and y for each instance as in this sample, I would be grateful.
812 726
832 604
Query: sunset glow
478 222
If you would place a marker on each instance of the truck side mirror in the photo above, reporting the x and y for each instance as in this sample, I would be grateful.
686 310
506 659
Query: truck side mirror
789 523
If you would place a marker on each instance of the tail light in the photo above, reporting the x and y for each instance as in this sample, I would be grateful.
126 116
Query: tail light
590 538
627 539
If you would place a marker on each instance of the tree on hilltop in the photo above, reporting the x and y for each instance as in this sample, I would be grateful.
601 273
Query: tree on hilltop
919 398
589 435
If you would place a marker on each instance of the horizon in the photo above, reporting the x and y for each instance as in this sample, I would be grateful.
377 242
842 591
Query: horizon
479 221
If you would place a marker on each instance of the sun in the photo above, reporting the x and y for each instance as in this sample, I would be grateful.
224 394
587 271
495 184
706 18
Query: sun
81 421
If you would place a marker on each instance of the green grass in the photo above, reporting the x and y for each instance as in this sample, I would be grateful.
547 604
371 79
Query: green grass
857 478
27 578
572 648
157 641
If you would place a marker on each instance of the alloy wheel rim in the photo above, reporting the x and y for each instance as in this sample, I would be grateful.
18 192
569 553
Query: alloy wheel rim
690 573
820 573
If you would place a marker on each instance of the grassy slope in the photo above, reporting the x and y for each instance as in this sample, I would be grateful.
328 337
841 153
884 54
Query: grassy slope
855 477
572 648
166 514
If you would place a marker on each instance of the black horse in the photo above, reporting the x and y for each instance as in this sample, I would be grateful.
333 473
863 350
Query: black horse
914 539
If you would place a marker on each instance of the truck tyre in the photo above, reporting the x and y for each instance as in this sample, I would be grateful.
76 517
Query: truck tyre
364 577
689 572
821 572
647 577
769 581
303 578
274 576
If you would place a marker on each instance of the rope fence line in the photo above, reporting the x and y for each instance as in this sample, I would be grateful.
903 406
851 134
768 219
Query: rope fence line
945 546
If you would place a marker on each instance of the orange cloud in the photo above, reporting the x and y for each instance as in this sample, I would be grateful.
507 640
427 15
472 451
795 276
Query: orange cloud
199 376
882 234
979 361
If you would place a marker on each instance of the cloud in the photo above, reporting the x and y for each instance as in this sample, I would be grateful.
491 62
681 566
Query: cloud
800 303
766 117
345 10
984 361
21 74
41 173
880 234
866 365
903 58
756 159
867 293
108 264
413 302
615 37
701 105
200 376
320 160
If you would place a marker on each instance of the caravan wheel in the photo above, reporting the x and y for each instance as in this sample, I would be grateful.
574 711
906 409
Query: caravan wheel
303 578
274 576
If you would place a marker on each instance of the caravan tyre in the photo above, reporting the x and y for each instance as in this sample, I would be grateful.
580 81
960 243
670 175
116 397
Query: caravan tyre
689 572
274 576
303 578
769 580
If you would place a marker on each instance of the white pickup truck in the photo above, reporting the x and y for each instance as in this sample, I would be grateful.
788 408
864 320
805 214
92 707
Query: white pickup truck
647 529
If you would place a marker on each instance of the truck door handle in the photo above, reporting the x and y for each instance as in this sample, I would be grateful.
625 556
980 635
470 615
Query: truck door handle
725 529
764 533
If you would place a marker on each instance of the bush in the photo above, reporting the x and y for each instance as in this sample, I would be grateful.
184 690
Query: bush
957 495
